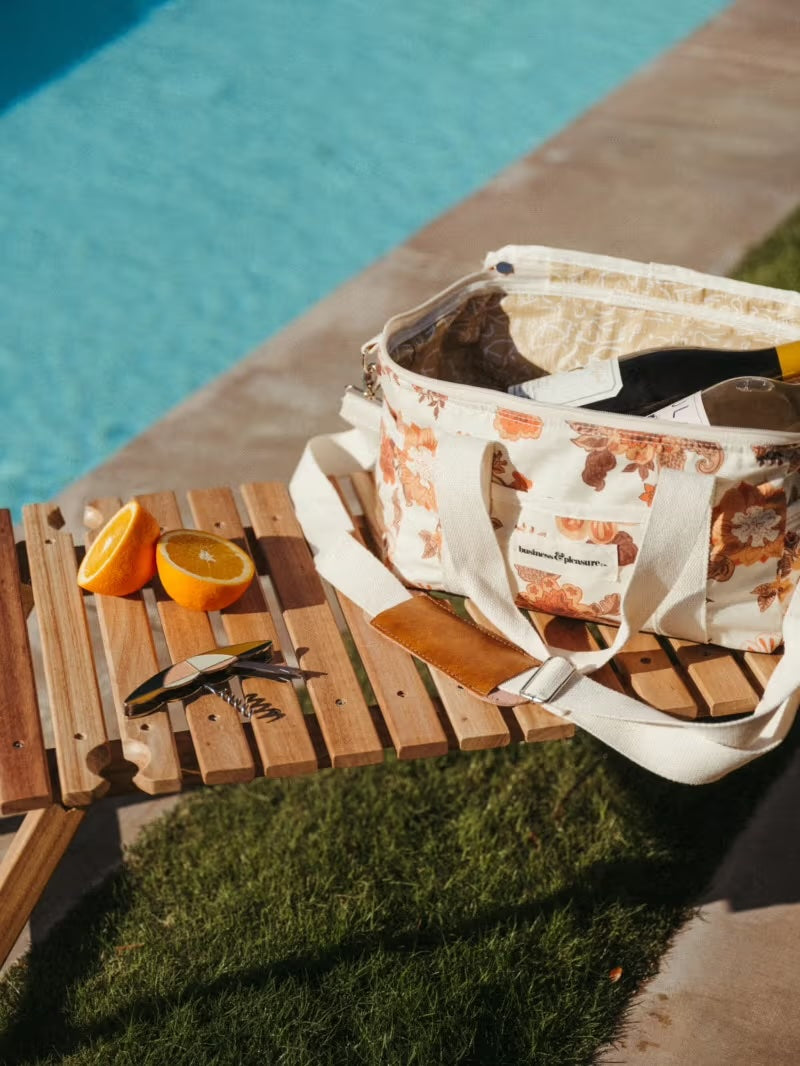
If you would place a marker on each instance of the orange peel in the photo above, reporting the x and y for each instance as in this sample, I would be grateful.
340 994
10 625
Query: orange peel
122 557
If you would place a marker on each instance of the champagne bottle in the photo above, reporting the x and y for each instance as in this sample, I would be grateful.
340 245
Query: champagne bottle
655 378
746 402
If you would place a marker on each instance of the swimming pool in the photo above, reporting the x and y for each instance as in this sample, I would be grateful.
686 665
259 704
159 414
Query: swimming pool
180 179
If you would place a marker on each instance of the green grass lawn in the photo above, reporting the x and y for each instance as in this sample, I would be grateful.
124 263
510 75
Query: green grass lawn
470 909
463 910
777 260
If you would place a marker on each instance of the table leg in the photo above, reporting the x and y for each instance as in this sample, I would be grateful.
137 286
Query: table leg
28 865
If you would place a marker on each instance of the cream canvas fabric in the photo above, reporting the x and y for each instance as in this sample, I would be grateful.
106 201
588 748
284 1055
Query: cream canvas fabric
570 490
689 531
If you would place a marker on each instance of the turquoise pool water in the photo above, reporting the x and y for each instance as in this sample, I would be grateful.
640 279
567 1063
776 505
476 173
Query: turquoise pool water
181 179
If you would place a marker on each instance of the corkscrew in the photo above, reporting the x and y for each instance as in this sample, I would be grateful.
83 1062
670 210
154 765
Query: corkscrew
209 671
246 705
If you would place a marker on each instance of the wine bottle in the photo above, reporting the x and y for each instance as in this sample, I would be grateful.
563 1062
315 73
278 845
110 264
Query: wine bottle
746 402
655 378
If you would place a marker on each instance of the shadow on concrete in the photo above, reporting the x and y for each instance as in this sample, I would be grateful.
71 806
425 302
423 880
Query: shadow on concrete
93 854
41 39
96 851
741 831
762 868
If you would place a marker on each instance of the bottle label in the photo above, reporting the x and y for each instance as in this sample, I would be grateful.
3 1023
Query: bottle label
599 380
690 409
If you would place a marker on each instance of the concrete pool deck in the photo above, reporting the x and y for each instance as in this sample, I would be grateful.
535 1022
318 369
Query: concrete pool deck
690 162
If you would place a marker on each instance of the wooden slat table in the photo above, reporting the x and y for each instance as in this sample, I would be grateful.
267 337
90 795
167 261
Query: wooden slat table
328 722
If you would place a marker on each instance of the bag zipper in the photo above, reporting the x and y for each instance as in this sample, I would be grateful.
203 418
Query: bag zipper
429 312
426 314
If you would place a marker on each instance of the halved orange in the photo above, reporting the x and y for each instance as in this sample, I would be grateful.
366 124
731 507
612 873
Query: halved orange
122 557
202 571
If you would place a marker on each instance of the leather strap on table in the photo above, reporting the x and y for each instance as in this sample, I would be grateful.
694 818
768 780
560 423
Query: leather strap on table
472 656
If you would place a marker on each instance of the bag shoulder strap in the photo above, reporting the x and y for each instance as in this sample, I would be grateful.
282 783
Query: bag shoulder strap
688 752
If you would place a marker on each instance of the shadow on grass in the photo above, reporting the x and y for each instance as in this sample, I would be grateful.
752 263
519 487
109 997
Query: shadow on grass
681 835
41 1023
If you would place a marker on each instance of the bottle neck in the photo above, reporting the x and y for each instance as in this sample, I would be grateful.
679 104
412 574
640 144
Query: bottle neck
745 402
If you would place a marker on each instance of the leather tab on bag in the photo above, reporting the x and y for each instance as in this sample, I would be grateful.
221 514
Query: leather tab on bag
431 630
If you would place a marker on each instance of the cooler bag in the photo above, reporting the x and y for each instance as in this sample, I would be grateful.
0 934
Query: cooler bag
684 530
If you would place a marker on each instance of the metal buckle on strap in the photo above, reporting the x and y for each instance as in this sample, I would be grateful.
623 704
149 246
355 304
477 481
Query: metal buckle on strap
547 680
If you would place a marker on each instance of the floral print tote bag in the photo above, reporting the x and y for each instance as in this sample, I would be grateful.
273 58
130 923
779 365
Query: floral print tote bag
684 530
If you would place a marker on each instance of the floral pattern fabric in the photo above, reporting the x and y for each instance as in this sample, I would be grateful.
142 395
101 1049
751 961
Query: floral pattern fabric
560 477
548 592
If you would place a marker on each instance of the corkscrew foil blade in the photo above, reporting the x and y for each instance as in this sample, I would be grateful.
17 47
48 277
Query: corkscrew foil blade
182 680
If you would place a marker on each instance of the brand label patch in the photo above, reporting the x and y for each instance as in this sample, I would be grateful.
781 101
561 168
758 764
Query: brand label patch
565 556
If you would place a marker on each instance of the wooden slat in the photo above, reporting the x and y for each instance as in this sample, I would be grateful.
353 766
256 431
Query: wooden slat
762 665
719 678
407 709
75 704
24 778
28 865
476 723
223 753
131 658
652 675
411 718
281 735
347 726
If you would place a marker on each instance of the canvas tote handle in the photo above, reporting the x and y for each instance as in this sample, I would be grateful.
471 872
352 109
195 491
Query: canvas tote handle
688 752
669 574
